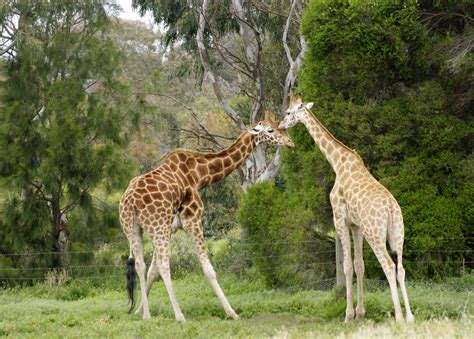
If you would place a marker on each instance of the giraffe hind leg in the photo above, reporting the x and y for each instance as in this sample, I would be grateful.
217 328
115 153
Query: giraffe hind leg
161 258
359 269
396 237
152 275
134 236
378 245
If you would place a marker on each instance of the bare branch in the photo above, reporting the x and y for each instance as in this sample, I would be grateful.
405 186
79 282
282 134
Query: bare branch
193 113
208 70
244 31
39 189
8 48
295 64
285 33
262 7
273 167
232 64
253 58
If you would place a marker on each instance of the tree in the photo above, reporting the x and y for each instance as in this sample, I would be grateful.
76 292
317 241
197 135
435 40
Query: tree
236 39
63 117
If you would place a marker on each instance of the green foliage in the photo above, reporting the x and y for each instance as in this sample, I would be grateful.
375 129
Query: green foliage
360 49
232 255
60 136
220 201
281 238
385 84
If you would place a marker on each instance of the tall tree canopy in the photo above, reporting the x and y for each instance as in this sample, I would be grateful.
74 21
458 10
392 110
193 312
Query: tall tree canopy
63 117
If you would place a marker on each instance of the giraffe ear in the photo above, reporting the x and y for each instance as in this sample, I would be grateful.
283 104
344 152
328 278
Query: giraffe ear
270 116
309 105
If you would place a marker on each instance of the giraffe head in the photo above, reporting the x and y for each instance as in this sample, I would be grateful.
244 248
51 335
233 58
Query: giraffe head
267 131
295 112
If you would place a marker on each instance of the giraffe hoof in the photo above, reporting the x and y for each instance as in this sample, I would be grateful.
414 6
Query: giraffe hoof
234 316
146 316
180 319
410 318
360 313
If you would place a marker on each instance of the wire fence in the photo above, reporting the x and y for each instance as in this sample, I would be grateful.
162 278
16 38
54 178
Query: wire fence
99 271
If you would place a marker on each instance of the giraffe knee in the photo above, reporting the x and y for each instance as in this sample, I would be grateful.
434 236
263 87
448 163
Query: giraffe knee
400 272
348 268
359 267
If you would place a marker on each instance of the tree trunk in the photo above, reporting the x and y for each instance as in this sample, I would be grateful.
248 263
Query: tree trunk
55 233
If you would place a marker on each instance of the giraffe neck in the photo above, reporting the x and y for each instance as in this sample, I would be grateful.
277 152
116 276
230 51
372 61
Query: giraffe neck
222 163
335 151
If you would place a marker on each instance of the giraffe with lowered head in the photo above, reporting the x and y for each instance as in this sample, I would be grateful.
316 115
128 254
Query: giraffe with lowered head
167 198
360 205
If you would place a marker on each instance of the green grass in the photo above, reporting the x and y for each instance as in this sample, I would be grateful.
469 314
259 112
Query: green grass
81 308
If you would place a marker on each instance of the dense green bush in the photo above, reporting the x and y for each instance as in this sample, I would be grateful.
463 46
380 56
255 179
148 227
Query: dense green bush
232 255
220 203
284 246
392 84
382 85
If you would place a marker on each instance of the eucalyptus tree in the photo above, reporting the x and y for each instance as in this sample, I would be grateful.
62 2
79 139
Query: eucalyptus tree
245 40
64 117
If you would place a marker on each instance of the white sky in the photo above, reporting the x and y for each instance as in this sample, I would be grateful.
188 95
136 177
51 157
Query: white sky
130 14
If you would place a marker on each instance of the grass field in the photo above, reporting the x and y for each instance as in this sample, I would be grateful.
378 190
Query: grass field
85 309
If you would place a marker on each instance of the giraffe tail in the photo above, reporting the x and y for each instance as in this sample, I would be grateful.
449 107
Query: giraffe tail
131 273
394 256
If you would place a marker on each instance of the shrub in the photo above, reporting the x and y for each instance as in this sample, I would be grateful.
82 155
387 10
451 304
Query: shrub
283 243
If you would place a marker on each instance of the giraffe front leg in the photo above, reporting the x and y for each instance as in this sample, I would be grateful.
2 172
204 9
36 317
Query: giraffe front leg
343 233
195 230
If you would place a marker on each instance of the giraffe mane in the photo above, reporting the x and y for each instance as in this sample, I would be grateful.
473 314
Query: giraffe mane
353 151
208 154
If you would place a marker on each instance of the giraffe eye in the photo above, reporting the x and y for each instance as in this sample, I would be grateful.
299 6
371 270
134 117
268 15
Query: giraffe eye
270 130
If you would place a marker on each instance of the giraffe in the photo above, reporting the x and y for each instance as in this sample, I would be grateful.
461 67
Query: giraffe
165 199
360 205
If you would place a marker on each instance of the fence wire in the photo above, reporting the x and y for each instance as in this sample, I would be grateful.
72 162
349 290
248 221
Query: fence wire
99 272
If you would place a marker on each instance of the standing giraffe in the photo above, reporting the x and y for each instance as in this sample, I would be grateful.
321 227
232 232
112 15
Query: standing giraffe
359 204
167 198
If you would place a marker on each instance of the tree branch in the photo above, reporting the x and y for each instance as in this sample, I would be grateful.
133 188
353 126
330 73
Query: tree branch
295 64
208 70
253 58
193 113
8 48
